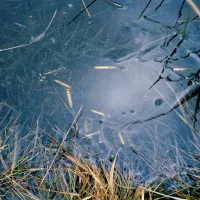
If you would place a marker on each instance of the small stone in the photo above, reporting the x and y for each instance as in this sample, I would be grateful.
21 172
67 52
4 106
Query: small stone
158 102
100 121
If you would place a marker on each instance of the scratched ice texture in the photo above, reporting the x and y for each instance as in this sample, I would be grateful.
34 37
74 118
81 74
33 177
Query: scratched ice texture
121 111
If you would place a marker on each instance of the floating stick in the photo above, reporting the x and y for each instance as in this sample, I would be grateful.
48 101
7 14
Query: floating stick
194 6
97 112
63 84
121 139
92 134
86 8
85 126
105 67
180 69
69 97
115 3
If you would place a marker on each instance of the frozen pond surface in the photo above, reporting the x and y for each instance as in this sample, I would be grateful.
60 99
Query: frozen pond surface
111 61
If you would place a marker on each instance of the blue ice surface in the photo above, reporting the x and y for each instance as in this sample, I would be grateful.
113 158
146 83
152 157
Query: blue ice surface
111 36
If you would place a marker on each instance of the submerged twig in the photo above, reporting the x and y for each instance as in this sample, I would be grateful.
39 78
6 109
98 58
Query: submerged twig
145 9
174 36
81 12
189 95
167 61
86 8
159 78
39 37
159 5
180 12
157 22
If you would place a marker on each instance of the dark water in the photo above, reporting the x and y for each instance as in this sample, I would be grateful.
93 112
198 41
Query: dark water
117 102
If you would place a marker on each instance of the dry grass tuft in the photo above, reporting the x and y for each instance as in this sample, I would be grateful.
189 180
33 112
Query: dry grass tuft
26 159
